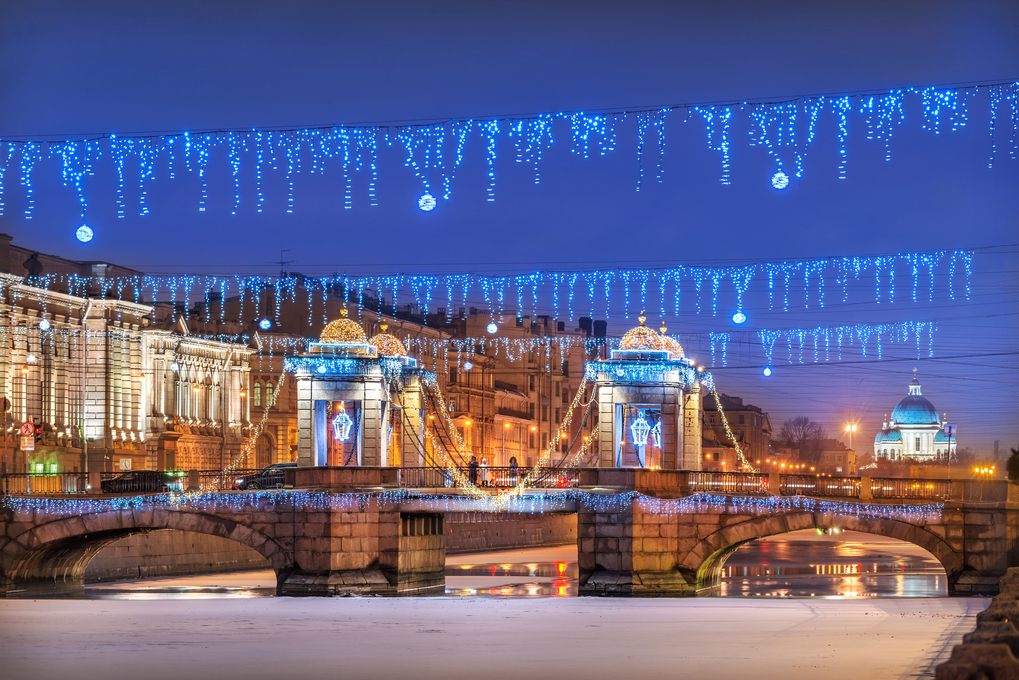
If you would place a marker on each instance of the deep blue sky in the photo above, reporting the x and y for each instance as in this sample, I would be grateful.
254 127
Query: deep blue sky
72 68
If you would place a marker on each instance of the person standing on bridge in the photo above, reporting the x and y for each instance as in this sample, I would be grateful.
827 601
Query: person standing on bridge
472 470
484 471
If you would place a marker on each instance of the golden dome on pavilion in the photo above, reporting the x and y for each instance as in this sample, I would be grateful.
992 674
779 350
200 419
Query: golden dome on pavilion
388 345
641 337
670 344
343 330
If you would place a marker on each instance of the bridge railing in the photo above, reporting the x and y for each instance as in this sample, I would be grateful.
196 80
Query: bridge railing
729 482
223 481
809 485
51 484
492 477
934 489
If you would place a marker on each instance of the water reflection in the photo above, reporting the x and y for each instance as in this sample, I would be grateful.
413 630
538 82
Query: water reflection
551 579
802 564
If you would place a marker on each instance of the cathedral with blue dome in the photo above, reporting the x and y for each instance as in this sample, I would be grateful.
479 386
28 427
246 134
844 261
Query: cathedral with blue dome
914 431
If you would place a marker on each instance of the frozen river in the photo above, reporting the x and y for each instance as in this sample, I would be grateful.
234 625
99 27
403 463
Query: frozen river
514 613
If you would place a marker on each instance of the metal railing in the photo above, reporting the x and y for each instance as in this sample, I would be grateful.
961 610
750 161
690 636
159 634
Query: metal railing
56 483
809 485
729 482
935 489
492 478
224 481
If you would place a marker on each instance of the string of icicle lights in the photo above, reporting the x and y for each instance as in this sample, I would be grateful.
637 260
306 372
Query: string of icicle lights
823 343
568 294
545 501
434 152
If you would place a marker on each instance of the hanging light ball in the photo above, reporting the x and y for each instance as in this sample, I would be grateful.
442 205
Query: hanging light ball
767 371
468 365
265 324
780 180
30 358
175 366
739 317
84 233
44 325
492 328
321 369
427 202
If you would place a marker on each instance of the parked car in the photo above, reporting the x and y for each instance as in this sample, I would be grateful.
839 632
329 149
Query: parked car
144 481
270 477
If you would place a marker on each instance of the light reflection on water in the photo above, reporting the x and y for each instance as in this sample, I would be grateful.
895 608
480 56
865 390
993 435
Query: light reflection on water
861 567
795 565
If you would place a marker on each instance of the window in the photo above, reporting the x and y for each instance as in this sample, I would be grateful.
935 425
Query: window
566 397
557 416
838 469
544 413
917 443
531 409
268 393
566 368
264 451
557 389
741 420
452 376
530 382
256 394
452 405
530 440
544 440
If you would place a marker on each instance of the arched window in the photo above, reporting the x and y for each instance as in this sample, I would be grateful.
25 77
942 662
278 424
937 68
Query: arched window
256 394
268 393
264 451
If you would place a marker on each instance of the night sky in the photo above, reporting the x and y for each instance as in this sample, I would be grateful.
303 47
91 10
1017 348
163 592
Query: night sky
72 69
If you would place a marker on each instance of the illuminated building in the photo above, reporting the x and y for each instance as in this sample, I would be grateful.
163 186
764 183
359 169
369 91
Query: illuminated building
914 431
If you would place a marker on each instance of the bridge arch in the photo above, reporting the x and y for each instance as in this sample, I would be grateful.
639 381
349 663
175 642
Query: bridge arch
702 565
59 550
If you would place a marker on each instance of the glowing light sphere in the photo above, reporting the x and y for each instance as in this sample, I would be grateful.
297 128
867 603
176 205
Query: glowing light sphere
44 325
468 365
265 324
767 371
175 366
321 369
780 180
30 358
492 328
739 317
427 202
84 233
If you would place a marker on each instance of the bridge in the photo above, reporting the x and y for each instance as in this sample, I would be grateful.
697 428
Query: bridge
640 532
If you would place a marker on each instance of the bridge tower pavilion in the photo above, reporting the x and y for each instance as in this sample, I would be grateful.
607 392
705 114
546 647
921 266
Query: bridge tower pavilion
360 401
649 404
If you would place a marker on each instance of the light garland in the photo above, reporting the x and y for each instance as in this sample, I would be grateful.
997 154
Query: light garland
545 501
552 286
784 129
747 467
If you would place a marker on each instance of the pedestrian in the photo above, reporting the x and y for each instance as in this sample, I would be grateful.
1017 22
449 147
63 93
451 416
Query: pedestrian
513 469
484 471
472 470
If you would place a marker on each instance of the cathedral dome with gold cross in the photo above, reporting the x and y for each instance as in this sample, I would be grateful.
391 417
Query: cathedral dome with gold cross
641 337
343 331
388 345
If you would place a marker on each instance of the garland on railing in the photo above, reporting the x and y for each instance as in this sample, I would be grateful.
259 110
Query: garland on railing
546 501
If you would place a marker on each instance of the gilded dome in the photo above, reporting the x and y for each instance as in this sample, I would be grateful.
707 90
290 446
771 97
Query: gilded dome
388 345
670 344
343 330
641 337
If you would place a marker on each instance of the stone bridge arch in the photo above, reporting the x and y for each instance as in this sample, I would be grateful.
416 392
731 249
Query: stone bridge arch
57 551
702 565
